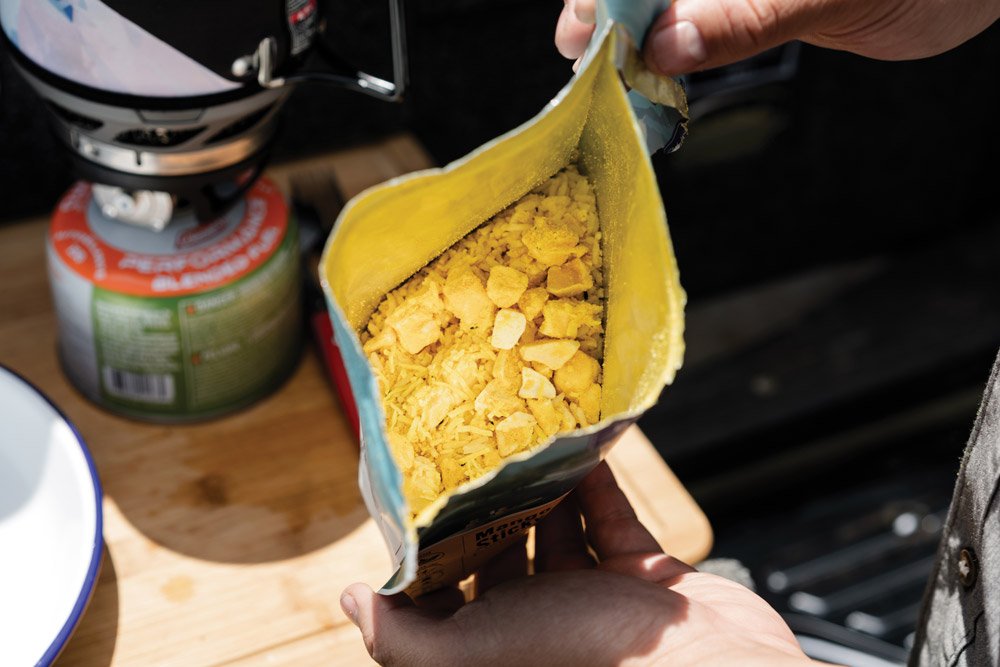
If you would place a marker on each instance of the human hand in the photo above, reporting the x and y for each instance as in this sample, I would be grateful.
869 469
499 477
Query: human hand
635 605
698 34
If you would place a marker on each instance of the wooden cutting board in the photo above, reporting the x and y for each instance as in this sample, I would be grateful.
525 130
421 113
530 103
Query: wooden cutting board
229 542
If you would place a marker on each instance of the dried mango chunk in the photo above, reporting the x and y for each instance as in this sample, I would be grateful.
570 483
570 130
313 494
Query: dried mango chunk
552 353
385 338
415 323
532 302
435 402
570 279
515 433
549 242
590 401
466 297
546 416
578 373
415 329
429 297
507 367
507 328
564 317
562 409
535 385
505 286
497 398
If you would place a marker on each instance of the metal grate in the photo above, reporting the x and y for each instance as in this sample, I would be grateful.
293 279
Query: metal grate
870 577
849 568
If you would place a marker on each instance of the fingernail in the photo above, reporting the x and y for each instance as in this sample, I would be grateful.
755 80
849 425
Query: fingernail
678 48
350 607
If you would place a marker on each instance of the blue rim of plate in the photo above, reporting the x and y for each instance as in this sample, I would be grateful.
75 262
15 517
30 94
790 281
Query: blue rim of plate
93 570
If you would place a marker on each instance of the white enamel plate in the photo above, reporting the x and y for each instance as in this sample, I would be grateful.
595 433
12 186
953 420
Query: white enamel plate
50 525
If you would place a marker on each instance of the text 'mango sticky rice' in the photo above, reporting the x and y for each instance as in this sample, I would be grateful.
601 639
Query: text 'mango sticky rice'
495 345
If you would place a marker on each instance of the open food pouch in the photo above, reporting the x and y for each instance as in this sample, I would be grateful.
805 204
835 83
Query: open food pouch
504 319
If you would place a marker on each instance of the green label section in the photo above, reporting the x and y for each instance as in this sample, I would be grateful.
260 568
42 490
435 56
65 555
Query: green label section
194 356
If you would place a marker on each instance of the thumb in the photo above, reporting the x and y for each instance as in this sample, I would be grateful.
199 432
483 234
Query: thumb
698 34
395 631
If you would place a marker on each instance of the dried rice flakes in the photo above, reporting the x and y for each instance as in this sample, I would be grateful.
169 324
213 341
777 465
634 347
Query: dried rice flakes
495 345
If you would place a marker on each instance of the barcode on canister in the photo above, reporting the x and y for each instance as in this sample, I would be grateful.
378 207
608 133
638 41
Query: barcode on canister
147 387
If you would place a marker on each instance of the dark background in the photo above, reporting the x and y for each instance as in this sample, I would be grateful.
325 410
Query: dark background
851 156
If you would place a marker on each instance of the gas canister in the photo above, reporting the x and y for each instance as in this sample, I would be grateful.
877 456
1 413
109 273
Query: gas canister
182 324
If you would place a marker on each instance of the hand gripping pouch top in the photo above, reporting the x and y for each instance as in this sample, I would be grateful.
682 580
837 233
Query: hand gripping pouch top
387 233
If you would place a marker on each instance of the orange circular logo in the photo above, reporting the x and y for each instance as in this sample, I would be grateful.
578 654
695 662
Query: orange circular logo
201 257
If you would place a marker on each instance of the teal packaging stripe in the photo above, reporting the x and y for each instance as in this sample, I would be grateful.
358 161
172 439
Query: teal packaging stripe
663 127
379 478
634 15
